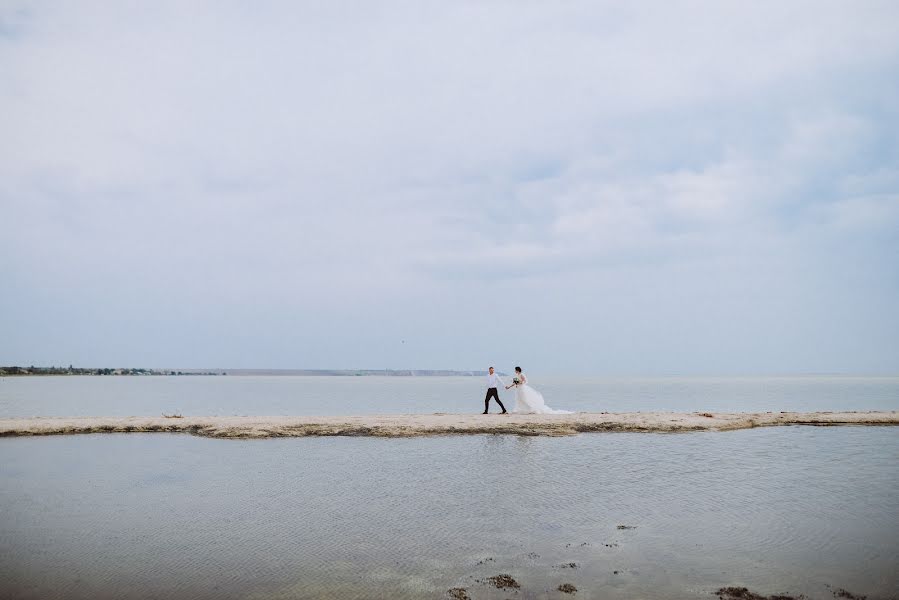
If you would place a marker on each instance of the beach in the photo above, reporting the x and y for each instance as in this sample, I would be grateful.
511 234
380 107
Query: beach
417 425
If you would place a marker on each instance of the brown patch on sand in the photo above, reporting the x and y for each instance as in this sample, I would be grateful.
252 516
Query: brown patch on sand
567 588
503 581
458 594
741 593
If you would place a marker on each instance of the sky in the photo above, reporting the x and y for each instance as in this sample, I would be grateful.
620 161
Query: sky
609 188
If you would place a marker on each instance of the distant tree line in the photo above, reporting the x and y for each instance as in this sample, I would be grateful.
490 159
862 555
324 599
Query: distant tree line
71 370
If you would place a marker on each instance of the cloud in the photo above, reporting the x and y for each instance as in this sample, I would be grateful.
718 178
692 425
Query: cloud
256 176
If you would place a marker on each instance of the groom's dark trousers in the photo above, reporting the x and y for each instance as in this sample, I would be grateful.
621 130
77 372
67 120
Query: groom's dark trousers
492 393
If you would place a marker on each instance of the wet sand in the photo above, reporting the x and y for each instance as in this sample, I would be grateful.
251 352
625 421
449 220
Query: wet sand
437 424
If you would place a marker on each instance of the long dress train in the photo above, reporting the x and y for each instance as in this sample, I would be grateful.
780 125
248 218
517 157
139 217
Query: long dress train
529 400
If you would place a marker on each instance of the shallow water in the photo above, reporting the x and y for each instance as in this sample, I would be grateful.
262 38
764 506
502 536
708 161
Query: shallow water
282 395
780 510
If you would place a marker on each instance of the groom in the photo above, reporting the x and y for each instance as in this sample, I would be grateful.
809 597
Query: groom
492 381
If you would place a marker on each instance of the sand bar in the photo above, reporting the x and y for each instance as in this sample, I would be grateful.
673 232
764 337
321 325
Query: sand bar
437 424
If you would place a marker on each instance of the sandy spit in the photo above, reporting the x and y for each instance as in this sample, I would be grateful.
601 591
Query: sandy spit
437 424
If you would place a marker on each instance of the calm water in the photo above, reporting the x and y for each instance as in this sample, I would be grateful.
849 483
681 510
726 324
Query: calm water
146 516
789 509
123 396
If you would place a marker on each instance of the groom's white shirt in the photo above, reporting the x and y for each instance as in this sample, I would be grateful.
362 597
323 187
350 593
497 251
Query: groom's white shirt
493 380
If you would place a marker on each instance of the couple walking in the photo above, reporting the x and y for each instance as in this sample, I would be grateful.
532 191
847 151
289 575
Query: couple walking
527 399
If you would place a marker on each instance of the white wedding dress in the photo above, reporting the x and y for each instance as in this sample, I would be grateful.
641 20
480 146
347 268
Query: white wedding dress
530 401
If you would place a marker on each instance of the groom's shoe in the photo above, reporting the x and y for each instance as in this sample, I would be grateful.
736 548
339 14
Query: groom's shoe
505 412
484 413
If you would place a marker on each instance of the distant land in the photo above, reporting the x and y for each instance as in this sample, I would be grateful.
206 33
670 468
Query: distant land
72 370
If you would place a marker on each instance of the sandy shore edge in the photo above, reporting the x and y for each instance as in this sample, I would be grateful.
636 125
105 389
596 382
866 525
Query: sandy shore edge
436 424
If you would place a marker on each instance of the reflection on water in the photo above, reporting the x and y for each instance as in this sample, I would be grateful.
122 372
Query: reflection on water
787 509
124 396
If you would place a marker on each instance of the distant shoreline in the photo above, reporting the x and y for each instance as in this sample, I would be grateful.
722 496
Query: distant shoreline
417 425
33 371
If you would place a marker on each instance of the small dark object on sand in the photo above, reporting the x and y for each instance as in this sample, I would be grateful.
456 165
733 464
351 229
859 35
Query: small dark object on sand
486 560
532 555
172 416
570 565
503 581
614 572
458 594
627 527
709 415
567 588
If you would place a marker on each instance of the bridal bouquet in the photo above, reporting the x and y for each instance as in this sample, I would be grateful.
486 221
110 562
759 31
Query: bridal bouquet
516 381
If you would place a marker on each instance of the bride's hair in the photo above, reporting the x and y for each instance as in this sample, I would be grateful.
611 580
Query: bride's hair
518 369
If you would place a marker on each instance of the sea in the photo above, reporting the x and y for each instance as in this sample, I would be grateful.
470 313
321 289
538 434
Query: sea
796 510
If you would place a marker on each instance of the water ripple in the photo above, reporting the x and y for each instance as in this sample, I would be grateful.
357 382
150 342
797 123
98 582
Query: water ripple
778 510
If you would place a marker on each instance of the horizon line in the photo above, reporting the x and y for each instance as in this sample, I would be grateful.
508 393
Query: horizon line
288 370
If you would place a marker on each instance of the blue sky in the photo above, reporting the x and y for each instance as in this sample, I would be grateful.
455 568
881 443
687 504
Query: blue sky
580 187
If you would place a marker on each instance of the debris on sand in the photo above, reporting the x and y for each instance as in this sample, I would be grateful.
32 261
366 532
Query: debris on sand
503 581
568 565
486 560
567 588
627 527
173 416
532 555
741 593
458 594
709 415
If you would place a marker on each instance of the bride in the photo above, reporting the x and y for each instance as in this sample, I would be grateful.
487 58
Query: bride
529 400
